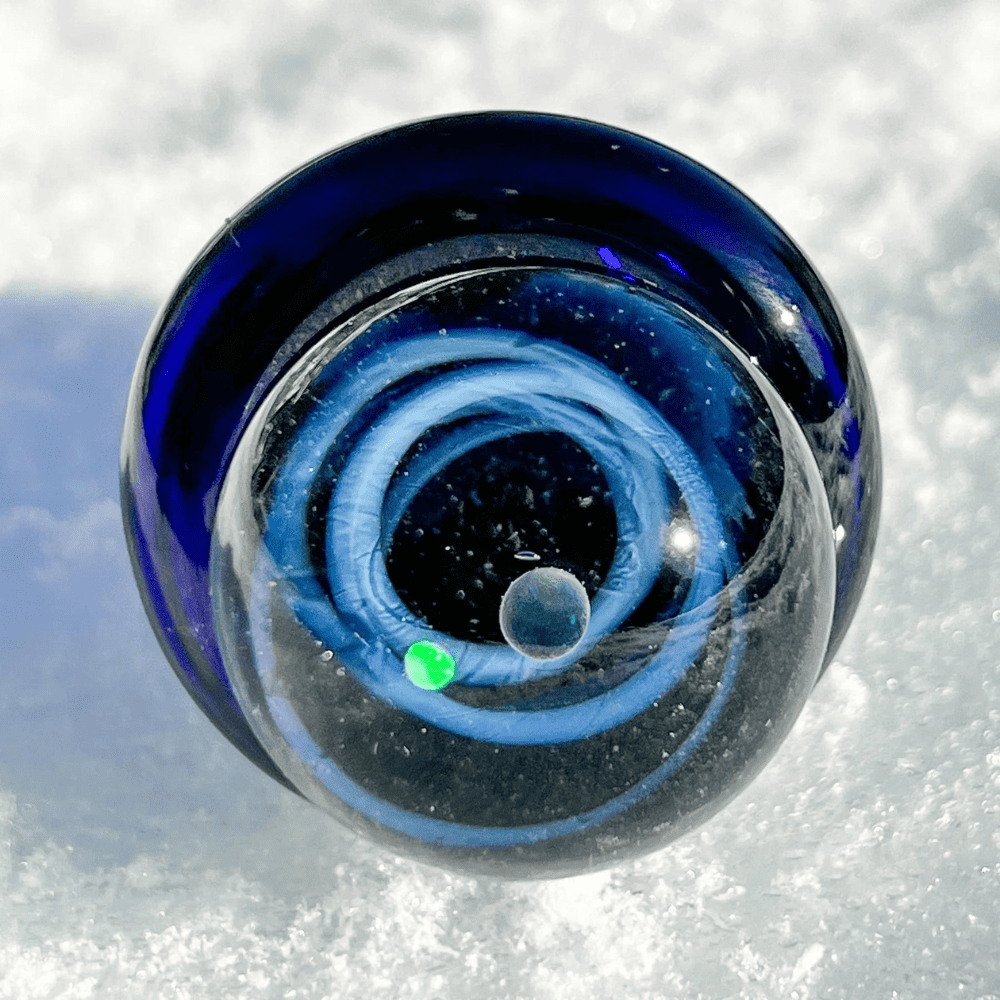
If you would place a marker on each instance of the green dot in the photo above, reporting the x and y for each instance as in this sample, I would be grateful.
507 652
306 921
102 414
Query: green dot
429 666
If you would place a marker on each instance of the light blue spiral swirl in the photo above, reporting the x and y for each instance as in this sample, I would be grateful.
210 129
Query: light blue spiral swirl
503 382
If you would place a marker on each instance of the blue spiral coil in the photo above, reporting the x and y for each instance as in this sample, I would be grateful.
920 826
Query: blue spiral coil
508 383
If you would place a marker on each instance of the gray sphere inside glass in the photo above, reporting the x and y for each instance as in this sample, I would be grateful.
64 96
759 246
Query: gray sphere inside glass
544 613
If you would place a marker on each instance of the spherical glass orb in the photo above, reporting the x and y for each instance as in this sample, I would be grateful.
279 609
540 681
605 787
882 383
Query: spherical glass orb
544 613
502 484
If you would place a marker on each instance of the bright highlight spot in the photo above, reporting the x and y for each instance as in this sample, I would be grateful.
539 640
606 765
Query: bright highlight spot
682 540
428 666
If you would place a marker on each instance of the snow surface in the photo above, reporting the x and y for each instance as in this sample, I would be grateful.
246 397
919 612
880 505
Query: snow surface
142 856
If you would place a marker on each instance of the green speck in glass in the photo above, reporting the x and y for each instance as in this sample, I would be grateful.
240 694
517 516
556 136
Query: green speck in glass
428 666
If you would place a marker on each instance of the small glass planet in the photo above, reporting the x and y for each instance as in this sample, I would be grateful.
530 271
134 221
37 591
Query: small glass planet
544 613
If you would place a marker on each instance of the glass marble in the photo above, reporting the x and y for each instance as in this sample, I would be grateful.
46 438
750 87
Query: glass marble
502 483
544 613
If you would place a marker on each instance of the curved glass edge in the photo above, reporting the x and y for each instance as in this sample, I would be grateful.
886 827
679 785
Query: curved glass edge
697 781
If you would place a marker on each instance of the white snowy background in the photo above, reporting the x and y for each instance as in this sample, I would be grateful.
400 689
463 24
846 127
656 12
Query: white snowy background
142 856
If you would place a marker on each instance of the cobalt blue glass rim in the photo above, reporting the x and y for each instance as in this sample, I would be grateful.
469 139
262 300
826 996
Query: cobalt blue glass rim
210 354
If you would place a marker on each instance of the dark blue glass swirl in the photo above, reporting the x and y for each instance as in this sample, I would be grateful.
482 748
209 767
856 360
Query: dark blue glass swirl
452 352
